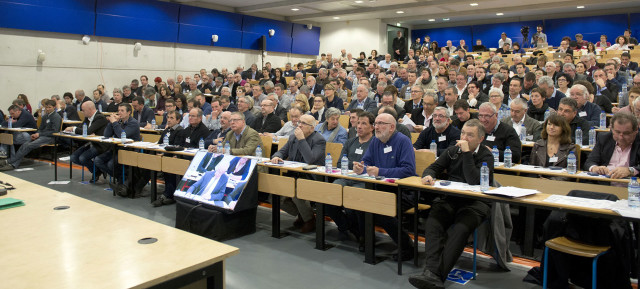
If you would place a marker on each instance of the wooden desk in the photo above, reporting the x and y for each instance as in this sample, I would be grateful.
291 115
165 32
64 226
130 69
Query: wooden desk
91 245
18 129
557 173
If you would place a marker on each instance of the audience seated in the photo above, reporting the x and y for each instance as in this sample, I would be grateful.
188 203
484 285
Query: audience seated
554 145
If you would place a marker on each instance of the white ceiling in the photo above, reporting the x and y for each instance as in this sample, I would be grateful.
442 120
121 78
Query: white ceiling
416 12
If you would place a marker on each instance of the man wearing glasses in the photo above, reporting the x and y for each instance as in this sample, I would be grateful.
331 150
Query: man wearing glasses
226 103
444 134
195 131
245 104
390 155
242 139
416 99
423 116
267 121
498 133
616 153
453 219
307 146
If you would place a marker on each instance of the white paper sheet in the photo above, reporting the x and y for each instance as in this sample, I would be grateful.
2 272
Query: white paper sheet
511 192
622 207
580 202
408 122
458 186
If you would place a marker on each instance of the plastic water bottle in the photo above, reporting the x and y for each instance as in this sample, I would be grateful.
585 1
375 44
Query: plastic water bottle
275 138
84 130
579 136
201 144
219 148
153 124
407 94
227 148
434 147
328 162
344 164
507 112
377 99
123 136
523 133
10 124
546 114
165 140
500 114
100 107
259 152
623 93
64 116
507 157
603 120
496 155
592 137
78 107
571 163
634 193
484 177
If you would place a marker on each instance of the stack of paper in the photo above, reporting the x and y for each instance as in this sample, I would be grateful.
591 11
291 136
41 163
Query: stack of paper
580 202
511 192
458 186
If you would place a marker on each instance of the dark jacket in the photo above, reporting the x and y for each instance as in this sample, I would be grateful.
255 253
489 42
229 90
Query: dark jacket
96 127
537 113
458 123
584 126
191 136
25 120
539 156
146 116
465 168
369 105
51 123
131 128
310 150
505 136
72 113
174 138
603 150
444 140
272 123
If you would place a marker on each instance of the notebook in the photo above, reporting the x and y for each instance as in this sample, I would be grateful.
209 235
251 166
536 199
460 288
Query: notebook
8 203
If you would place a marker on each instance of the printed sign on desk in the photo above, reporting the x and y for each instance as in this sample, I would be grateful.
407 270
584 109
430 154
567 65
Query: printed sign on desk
460 276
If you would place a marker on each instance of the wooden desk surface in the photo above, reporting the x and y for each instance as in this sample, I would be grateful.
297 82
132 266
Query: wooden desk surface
559 173
151 131
90 245
531 200
582 148
333 175
18 129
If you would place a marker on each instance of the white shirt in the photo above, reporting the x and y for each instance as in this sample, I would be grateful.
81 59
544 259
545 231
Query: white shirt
502 42
518 125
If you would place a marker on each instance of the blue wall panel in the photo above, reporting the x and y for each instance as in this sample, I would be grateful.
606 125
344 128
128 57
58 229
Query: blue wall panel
490 33
635 25
305 41
591 27
210 18
84 5
201 35
276 43
143 9
136 28
262 26
250 40
441 35
70 17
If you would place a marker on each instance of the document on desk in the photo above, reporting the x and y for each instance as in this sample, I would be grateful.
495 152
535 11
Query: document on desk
142 144
622 207
579 202
586 174
458 186
536 168
289 164
511 192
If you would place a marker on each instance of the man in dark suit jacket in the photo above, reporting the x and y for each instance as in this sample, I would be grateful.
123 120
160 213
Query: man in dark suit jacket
142 113
72 113
474 96
195 131
388 99
568 108
611 145
604 86
498 133
172 130
399 47
96 122
80 99
307 146
627 65
268 121
362 101
252 73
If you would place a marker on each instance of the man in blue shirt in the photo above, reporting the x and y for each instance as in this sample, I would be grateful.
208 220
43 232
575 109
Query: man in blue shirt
390 155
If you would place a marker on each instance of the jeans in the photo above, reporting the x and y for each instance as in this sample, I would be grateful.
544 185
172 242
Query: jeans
84 156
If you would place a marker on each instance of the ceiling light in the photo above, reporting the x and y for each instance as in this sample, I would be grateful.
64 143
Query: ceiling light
359 2
499 14
580 7
431 20
294 9
474 4
400 12
445 19
336 18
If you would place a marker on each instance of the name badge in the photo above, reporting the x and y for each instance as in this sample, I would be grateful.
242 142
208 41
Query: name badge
491 138
48 120
553 159
388 150
582 114
188 140
358 151
442 138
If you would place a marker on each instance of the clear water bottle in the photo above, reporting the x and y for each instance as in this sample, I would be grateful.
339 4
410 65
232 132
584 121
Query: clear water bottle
579 136
507 112
434 147
328 163
123 136
84 130
377 98
153 124
64 116
603 120
500 113
496 155
259 152
407 94
219 148
634 193
484 177
344 164
546 114
201 144
227 148
10 123
592 137
165 140
623 93
523 133
571 163
275 138
78 107
507 157
100 107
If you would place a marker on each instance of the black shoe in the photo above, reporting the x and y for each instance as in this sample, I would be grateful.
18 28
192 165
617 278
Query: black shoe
426 280
95 178
361 245
407 254
162 201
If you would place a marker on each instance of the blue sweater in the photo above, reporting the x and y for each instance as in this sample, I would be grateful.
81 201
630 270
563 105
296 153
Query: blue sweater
400 162
131 128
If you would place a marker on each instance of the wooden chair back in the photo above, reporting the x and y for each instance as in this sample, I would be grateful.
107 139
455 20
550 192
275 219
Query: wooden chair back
267 143
319 192
414 137
150 137
423 160
344 121
6 138
277 185
371 201
334 149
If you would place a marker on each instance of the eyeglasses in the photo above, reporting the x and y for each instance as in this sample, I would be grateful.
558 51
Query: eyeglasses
485 115
439 116
381 123
234 119
304 123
